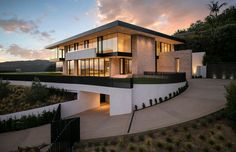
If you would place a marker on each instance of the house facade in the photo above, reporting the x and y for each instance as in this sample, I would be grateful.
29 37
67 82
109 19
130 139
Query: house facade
120 49
119 52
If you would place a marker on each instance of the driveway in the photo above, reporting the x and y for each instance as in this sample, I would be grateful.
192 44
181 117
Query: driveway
29 137
203 97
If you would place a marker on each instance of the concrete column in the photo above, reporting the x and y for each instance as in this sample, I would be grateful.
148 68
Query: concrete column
143 54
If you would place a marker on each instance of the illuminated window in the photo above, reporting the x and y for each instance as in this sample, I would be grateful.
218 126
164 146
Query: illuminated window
70 66
163 47
177 64
125 66
124 43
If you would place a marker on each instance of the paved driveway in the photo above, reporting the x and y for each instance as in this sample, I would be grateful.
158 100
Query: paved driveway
203 97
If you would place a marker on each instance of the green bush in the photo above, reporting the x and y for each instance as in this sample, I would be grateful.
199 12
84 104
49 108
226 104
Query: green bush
230 110
4 89
26 122
38 92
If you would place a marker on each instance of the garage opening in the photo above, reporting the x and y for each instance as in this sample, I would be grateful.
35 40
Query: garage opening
104 101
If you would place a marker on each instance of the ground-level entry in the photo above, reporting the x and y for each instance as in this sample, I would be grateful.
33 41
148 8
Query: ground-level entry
104 99
91 100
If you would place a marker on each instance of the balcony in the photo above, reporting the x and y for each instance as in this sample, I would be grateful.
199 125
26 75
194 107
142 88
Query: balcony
83 54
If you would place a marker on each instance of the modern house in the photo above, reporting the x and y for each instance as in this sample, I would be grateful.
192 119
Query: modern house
120 49
127 66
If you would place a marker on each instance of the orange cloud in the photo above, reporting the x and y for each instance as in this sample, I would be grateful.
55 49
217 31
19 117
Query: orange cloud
162 15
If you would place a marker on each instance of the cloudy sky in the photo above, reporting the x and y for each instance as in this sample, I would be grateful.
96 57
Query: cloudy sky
27 26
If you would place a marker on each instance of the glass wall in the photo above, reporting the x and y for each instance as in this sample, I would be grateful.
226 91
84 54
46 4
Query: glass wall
94 67
125 66
70 66
124 43
116 42
162 47
110 43
59 66
59 53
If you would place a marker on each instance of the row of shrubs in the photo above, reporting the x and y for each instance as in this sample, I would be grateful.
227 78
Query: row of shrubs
15 98
26 121
155 101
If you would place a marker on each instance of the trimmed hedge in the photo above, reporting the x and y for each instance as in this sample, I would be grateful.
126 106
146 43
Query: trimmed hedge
26 122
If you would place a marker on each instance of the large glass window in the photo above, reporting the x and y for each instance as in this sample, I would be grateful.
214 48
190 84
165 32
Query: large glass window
82 64
125 66
124 43
101 67
91 70
99 44
78 67
87 67
94 67
110 43
107 66
70 66
60 53
59 66
163 47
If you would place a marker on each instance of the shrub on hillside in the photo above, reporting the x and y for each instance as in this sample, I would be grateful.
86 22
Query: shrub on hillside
38 92
231 101
4 89
26 122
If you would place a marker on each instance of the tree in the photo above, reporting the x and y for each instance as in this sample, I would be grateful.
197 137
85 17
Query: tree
215 7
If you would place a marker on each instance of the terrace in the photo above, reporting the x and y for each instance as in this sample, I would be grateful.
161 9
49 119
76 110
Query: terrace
147 78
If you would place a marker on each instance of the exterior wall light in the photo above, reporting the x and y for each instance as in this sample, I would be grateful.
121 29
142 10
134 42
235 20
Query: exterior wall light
231 77
214 76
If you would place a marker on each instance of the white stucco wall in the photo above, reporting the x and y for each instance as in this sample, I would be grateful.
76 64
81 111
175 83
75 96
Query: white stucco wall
120 98
83 54
142 93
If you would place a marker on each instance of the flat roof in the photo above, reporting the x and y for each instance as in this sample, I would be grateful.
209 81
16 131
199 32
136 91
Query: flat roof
112 25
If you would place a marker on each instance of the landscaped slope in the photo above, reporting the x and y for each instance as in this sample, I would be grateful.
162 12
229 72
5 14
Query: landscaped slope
19 98
211 133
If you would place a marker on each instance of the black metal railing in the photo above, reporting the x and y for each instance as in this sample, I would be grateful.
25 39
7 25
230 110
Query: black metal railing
147 77
100 81
64 133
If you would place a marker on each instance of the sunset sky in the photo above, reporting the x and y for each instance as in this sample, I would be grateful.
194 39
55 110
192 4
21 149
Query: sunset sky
27 26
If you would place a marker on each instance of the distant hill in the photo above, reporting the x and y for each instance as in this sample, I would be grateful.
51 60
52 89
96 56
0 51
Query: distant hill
27 66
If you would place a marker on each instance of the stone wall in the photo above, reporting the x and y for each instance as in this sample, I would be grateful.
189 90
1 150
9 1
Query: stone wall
143 54
167 62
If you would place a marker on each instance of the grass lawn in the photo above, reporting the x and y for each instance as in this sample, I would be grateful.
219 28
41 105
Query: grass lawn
208 134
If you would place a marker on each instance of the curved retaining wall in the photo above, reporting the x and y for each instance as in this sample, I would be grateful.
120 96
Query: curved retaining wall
142 93
68 108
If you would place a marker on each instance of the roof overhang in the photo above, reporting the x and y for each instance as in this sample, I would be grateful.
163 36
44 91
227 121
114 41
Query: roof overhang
114 27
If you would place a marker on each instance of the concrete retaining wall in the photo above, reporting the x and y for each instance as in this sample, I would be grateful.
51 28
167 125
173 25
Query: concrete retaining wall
142 93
